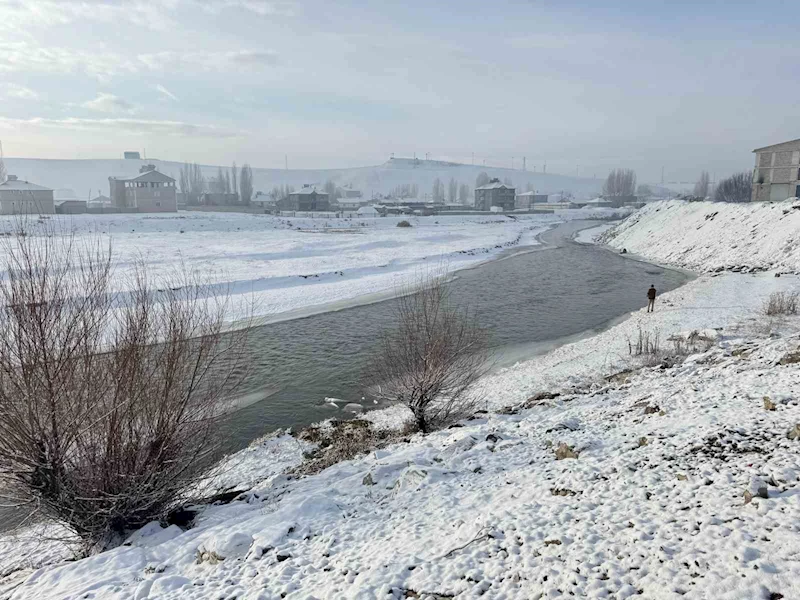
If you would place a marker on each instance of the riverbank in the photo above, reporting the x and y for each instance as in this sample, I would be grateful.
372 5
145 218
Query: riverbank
653 505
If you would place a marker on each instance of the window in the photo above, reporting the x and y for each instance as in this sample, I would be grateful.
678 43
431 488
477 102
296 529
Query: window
158 203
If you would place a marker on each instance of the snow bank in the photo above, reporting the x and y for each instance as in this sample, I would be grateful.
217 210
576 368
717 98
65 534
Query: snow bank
707 236
282 267
653 506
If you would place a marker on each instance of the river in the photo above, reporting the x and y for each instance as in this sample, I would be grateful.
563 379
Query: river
531 300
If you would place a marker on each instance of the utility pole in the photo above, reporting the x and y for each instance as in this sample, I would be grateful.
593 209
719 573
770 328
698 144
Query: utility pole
544 168
473 159
662 175
286 161
512 163
524 163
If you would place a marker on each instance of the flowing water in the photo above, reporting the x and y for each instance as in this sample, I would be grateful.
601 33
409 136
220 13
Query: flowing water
530 301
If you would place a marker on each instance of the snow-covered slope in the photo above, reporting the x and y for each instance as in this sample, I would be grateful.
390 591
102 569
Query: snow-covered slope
88 178
653 506
710 236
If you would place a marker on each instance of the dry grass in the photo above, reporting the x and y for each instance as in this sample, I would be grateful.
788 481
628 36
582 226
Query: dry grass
781 303
344 440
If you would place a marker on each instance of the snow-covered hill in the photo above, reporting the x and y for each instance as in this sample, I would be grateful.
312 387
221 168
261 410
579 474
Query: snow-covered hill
711 236
88 178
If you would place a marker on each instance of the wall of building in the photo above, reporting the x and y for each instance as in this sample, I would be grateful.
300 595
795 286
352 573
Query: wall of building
26 202
776 175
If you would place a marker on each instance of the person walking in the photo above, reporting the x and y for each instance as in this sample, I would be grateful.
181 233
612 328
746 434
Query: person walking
651 299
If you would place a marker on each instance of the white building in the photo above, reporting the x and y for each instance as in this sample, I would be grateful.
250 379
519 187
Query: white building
776 176
19 197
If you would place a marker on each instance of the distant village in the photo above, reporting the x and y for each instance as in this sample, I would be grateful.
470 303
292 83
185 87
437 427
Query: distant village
151 191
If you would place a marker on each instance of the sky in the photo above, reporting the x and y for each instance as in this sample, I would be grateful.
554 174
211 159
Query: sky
581 86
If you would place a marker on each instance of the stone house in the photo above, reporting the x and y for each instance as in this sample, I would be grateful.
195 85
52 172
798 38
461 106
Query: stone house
307 199
495 193
19 197
776 176
149 191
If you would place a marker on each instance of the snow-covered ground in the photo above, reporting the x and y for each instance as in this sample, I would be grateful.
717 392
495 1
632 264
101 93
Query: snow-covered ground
589 236
280 267
654 505
708 236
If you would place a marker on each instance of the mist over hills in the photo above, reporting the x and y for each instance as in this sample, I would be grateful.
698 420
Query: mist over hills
88 178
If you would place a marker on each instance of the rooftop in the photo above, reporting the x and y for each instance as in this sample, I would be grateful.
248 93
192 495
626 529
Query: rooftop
495 185
774 146
13 183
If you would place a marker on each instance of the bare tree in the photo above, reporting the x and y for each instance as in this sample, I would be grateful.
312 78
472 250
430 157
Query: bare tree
701 188
433 358
620 182
3 170
438 190
507 181
191 182
452 191
463 193
736 188
644 190
246 183
234 181
109 401
482 179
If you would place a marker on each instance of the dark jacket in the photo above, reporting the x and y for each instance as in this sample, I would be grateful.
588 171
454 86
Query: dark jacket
651 294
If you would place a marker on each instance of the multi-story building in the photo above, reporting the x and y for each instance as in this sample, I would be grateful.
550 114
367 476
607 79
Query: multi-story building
495 193
149 191
776 176
19 197
307 199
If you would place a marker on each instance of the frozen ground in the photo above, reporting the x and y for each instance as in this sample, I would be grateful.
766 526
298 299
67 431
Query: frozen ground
654 505
292 266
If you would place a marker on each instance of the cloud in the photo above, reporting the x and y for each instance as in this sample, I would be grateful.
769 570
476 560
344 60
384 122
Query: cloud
126 126
162 90
22 56
20 92
224 61
156 15
109 103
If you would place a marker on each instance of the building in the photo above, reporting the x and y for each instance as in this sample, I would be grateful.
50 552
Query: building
149 191
350 203
526 200
496 194
350 193
219 199
776 176
132 155
19 197
71 207
601 203
307 199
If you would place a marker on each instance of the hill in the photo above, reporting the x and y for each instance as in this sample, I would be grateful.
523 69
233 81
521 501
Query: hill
90 177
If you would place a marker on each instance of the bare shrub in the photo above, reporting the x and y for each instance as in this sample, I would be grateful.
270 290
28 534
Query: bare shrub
404 224
736 188
645 343
781 303
108 400
432 359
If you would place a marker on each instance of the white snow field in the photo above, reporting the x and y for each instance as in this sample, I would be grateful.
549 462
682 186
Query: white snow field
281 267
654 506
709 236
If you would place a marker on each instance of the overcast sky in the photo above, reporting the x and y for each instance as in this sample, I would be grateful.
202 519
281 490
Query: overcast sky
585 86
